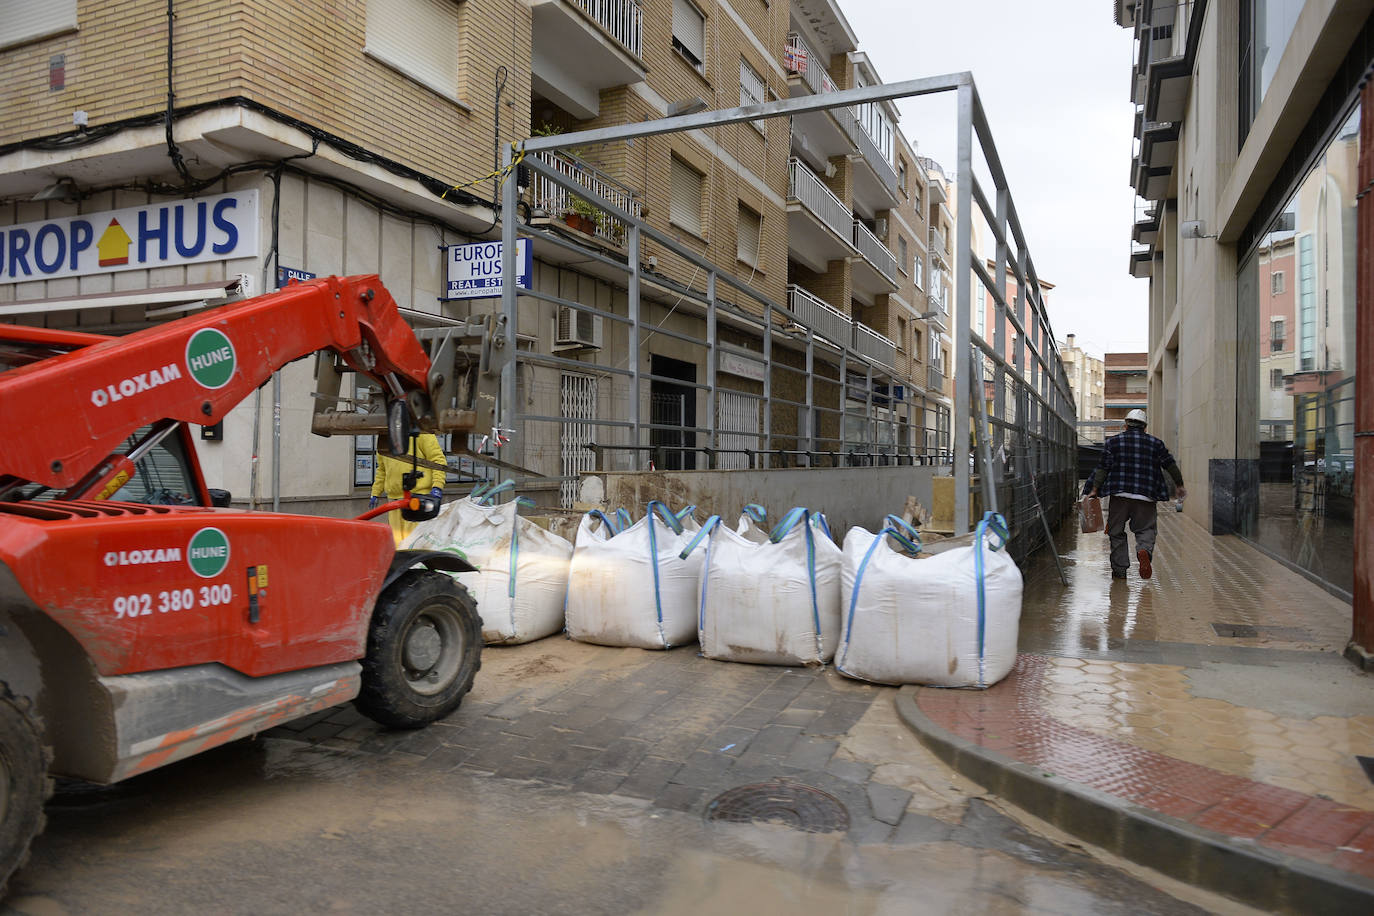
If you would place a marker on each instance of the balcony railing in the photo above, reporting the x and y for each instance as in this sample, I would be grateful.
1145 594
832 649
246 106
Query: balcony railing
874 156
820 316
877 347
811 192
557 200
875 251
799 59
621 18
935 379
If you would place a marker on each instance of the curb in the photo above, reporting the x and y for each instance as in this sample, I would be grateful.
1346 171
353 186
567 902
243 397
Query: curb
1235 868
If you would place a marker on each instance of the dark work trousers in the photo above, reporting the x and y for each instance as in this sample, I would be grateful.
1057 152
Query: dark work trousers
1143 517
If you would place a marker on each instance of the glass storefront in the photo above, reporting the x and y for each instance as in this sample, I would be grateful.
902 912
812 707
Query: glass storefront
1295 432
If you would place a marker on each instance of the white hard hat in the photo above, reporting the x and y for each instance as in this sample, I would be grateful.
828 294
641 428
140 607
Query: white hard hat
1137 415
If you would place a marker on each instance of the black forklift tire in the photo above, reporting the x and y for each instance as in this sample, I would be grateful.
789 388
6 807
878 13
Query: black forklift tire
24 782
424 648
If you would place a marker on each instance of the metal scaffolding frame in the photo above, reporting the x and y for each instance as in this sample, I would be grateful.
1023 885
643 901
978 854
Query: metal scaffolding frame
1029 427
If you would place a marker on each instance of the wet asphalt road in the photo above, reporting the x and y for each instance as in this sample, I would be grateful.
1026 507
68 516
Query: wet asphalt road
338 815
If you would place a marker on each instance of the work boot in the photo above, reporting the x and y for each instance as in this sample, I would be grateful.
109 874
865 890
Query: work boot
1142 557
1118 573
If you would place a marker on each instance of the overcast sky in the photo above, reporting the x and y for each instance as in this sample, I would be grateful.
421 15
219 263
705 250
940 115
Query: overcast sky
1055 80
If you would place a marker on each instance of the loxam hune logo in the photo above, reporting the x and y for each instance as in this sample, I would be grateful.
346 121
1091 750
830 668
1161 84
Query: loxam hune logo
210 358
208 552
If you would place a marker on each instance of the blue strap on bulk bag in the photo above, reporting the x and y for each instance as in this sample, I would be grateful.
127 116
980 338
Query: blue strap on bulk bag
912 546
996 526
756 512
488 497
527 503
605 522
662 511
780 531
704 534
622 519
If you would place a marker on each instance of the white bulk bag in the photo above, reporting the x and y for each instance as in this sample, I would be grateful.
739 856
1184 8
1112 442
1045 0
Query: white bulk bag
629 587
774 600
946 621
522 575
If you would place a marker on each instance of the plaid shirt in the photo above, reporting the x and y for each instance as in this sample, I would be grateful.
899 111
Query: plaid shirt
1133 462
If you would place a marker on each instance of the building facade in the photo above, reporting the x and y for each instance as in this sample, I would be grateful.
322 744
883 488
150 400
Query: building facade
1087 379
1247 164
203 152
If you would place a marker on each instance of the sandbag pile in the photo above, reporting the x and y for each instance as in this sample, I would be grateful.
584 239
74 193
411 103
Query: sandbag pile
947 621
770 598
629 586
522 575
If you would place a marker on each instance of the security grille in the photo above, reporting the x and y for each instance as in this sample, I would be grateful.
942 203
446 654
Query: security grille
577 400
737 425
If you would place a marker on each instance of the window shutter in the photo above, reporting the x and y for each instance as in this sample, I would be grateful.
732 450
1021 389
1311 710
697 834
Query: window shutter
747 236
685 205
23 20
689 28
418 38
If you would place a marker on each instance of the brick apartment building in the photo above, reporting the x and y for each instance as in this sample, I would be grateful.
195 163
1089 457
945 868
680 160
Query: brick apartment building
212 148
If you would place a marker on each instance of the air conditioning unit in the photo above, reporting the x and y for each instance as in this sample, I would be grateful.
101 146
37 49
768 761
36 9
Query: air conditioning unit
576 328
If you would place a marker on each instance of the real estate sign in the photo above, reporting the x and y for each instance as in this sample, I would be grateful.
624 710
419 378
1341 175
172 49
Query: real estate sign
474 271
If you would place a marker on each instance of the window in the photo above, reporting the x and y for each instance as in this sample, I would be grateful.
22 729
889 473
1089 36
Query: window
901 174
1276 378
417 37
1278 338
689 33
25 20
916 340
1276 282
916 197
747 236
901 254
752 90
684 208
918 272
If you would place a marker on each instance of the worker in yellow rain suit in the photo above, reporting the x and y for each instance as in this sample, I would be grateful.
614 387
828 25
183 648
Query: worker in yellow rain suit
386 478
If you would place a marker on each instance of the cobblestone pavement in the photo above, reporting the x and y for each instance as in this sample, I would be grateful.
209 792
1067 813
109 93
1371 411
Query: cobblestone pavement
1213 694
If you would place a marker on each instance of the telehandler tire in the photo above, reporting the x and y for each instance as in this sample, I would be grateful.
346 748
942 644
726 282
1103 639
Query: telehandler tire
424 648
24 782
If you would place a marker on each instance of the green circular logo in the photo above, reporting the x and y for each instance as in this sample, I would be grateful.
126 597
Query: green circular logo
208 552
210 358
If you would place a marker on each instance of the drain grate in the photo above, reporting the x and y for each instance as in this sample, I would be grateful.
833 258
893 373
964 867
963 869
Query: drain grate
802 807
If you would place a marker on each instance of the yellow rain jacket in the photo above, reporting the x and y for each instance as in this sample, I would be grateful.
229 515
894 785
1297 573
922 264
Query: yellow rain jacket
387 484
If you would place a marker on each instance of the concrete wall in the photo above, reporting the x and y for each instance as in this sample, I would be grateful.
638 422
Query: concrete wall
847 496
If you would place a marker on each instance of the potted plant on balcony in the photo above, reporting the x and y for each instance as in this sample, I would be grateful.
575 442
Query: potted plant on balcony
581 215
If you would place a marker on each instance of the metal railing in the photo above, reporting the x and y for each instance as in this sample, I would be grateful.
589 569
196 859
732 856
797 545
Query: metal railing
935 379
811 192
798 58
620 18
828 321
874 157
875 346
556 200
875 252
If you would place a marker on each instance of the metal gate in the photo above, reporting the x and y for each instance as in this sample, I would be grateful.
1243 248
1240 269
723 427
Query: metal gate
737 416
668 419
577 400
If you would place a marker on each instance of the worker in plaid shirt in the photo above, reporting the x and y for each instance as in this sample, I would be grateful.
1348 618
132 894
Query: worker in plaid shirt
1131 473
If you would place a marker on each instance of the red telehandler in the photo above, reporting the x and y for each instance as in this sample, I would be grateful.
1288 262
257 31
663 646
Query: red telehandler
142 620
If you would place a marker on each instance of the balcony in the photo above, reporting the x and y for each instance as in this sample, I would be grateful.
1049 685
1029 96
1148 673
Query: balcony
875 272
823 318
938 245
875 181
1168 35
935 378
581 47
878 347
821 135
819 224
556 201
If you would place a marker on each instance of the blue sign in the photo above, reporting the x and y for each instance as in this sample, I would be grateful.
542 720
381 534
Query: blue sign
474 271
286 274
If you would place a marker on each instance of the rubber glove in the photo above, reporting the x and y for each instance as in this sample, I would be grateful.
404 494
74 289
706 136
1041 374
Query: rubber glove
437 493
372 503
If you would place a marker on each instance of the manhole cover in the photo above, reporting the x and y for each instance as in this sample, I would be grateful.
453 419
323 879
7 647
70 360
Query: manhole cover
786 803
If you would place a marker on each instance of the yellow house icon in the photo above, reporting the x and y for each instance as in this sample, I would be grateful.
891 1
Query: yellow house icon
113 245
